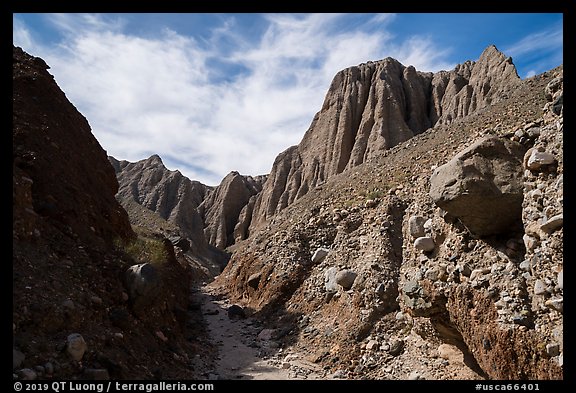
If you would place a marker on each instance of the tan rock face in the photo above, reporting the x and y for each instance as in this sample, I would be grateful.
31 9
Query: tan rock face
373 107
221 209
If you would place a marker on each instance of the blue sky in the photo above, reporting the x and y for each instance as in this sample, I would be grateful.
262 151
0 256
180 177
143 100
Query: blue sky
213 93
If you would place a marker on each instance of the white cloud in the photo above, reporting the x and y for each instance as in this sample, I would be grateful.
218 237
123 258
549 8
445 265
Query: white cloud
21 35
546 40
163 95
421 53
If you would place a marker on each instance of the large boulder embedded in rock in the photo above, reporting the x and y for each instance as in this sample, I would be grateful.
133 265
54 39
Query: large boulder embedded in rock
483 186
144 286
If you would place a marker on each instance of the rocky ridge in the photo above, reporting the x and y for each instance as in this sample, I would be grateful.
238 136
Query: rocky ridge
373 107
383 283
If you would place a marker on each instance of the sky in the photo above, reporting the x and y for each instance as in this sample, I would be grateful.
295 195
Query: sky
215 93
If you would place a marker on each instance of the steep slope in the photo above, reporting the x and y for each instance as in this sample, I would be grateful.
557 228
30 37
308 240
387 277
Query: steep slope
373 107
75 315
370 277
205 216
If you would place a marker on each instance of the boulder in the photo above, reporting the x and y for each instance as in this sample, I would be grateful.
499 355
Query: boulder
76 346
482 186
346 278
144 286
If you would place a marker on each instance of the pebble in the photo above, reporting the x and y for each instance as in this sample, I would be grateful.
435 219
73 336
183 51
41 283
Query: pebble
560 279
555 304
539 287
27 374
424 244
49 368
552 349
76 346
416 226
414 376
320 254
372 344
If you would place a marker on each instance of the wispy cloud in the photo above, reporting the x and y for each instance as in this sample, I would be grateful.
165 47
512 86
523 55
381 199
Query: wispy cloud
539 51
546 40
173 96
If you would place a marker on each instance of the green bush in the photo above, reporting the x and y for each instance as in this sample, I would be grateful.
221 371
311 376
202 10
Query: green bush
144 250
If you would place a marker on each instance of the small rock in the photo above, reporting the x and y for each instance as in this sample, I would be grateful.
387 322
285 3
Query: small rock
370 203
161 336
561 360
538 159
553 223
539 287
465 269
96 300
254 280
17 358
27 374
552 349
414 376
236 311
555 304
213 377
525 265
68 305
560 279
49 368
339 374
372 344
39 370
416 226
424 244
96 374
76 346
330 279
396 347
319 255
286 365
346 278
266 334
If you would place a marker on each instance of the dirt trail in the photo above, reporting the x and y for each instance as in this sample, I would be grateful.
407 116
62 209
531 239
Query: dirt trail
242 354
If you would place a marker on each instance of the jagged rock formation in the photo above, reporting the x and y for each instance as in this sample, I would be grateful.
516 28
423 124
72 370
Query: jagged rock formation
424 296
207 216
373 107
69 300
222 207
169 193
